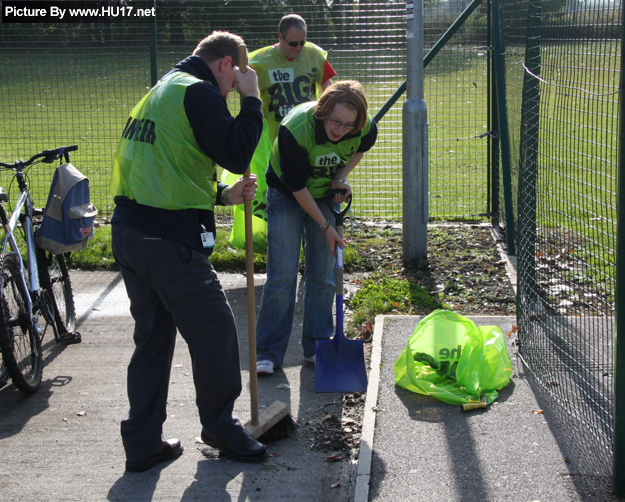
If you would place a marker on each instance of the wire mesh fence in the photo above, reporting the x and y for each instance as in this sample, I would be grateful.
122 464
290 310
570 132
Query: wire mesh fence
76 83
562 78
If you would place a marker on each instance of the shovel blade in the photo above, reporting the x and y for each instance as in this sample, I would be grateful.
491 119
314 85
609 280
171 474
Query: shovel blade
340 367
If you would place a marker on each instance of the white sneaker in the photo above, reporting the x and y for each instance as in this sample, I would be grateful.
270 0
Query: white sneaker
312 359
264 367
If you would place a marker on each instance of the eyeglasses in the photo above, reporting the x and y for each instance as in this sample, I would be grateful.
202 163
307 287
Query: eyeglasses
338 123
295 44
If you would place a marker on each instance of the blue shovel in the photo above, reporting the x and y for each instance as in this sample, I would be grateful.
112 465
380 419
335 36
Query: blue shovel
340 364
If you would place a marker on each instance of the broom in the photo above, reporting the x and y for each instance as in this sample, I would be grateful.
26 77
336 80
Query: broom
275 422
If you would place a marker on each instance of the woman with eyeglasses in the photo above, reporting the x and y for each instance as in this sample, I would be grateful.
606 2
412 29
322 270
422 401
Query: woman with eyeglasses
291 72
319 143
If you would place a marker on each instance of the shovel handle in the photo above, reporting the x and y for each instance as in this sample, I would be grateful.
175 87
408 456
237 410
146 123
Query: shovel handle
338 215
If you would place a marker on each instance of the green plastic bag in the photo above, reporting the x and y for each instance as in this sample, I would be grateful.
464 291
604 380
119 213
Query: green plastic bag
258 166
452 359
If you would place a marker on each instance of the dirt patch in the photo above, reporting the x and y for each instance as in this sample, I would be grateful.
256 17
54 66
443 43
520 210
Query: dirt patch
339 433
464 270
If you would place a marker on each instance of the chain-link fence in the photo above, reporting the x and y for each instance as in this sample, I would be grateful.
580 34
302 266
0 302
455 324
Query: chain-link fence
562 81
75 83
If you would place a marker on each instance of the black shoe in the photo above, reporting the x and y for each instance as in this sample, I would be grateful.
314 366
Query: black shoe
239 446
171 449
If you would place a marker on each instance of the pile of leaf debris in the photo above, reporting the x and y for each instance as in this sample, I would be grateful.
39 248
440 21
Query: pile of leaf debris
338 434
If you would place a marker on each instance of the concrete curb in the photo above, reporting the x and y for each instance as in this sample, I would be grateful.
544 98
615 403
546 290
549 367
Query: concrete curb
363 473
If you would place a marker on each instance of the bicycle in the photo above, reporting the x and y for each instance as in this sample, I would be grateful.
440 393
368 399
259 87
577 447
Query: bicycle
37 287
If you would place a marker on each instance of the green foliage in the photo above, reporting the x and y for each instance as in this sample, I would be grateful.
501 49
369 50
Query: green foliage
381 294
98 255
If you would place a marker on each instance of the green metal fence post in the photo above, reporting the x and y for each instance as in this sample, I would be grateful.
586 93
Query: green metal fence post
618 475
504 138
492 147
527 297
153 61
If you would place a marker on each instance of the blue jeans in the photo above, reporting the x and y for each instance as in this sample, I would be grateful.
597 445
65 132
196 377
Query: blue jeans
287 224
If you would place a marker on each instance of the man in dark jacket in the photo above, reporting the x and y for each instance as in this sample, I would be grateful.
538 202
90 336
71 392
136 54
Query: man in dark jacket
165 189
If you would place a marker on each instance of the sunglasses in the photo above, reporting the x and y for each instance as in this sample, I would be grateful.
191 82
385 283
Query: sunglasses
295 44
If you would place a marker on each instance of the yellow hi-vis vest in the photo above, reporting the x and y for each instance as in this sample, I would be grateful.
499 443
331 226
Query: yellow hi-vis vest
323 159
158 162
284 84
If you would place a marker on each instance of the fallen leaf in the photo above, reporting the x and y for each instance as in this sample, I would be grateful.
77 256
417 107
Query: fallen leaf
538 412
334 458
283 386
275 455
80 414
330 416
335 485
515 329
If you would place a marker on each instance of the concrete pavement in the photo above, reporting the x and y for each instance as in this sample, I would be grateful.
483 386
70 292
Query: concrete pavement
63 444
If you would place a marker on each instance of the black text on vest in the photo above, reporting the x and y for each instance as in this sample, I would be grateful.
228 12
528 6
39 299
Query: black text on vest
140 130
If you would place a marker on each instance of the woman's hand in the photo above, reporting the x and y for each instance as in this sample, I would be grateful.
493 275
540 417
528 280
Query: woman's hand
333 239
340 198
243 189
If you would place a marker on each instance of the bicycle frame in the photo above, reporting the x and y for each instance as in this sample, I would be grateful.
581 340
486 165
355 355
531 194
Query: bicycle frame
24 202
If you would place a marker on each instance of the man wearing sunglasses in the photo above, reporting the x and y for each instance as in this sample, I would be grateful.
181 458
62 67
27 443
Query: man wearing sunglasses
291 72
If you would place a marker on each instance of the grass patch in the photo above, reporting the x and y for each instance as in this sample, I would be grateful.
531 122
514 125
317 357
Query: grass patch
225 258
381 294
98 255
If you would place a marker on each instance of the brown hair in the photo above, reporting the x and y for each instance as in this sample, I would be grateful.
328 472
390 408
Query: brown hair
218 45
348 93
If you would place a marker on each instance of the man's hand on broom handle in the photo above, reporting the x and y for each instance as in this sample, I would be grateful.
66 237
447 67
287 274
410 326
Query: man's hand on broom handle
243 190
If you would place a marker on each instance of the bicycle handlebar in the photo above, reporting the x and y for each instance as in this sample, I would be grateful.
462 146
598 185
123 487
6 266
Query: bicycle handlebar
49 156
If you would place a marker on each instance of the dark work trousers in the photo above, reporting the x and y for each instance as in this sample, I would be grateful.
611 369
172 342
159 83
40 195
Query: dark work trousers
172 286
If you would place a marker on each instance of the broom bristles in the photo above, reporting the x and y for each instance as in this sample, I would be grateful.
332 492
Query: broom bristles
284 428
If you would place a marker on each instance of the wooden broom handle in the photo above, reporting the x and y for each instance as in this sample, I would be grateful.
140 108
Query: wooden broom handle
249 267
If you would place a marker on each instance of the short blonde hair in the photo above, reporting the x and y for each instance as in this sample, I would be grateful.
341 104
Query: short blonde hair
348 93
218 45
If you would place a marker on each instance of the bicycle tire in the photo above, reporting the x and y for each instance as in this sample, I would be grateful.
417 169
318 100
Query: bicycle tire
4 376
20 344
62 295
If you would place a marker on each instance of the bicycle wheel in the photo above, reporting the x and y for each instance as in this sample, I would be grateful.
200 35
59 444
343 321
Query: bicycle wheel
20 345
62 295
3 372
